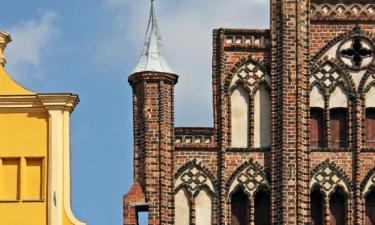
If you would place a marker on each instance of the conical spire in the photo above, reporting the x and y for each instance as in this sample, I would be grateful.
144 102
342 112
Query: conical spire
153 58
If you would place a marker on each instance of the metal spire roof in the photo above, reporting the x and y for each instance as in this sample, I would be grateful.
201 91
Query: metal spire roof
153 58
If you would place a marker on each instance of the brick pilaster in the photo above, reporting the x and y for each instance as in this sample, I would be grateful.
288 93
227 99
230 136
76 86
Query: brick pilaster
290 71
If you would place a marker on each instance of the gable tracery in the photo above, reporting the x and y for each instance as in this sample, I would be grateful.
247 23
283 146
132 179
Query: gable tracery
193 179
327 178
251 75
250 178
328 76
353 53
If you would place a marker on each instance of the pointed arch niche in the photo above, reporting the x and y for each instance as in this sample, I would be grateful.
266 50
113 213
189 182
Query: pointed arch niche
194 196
329 101
262 117
329 195
240 101
249 196
250 107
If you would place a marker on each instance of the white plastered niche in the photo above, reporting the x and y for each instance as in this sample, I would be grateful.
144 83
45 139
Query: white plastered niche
262 118
240 117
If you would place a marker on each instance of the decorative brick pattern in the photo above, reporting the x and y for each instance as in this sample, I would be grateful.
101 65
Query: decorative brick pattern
309 43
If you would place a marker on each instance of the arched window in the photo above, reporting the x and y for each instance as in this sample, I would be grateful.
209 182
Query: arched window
240 117
316 207
337 208
262 208
262 118
370 208
317 133
339 127
240 208
370 128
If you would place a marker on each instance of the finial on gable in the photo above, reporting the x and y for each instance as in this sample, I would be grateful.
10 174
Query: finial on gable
4 40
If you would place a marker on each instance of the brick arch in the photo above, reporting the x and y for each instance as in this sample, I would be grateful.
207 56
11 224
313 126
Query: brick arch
363 88
368 183
357 31
254 173
237 84
328 177
196 171
266 84
244 60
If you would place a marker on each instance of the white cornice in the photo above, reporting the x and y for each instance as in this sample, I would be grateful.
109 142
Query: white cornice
39 101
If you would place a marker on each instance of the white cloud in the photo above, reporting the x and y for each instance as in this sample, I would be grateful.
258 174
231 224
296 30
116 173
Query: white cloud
30 40
186 27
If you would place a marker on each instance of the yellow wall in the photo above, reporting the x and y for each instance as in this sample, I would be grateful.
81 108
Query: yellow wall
34 153
23 168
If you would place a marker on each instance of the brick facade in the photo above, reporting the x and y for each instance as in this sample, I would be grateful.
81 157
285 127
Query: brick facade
302 35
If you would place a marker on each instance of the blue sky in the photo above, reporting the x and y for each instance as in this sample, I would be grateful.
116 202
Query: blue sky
89 47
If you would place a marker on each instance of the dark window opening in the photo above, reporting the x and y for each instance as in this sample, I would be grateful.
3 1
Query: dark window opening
316 200
339 127
262 204
370 209
370 128
240 208
337 208
317 127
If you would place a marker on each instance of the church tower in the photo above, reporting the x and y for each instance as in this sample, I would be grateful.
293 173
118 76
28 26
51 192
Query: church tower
34 153
153 84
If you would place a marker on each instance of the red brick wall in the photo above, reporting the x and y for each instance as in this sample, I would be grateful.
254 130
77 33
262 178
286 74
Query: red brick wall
296 39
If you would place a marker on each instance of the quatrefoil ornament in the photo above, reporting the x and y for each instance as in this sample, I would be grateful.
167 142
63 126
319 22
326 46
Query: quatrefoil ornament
193 179
328 179
356 53
250 74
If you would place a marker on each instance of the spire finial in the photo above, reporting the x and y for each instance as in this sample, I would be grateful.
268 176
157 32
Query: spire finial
4 40
152 57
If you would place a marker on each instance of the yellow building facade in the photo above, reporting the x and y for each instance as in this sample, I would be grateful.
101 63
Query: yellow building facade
34 153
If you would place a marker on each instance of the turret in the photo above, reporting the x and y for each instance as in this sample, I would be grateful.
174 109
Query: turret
153 83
